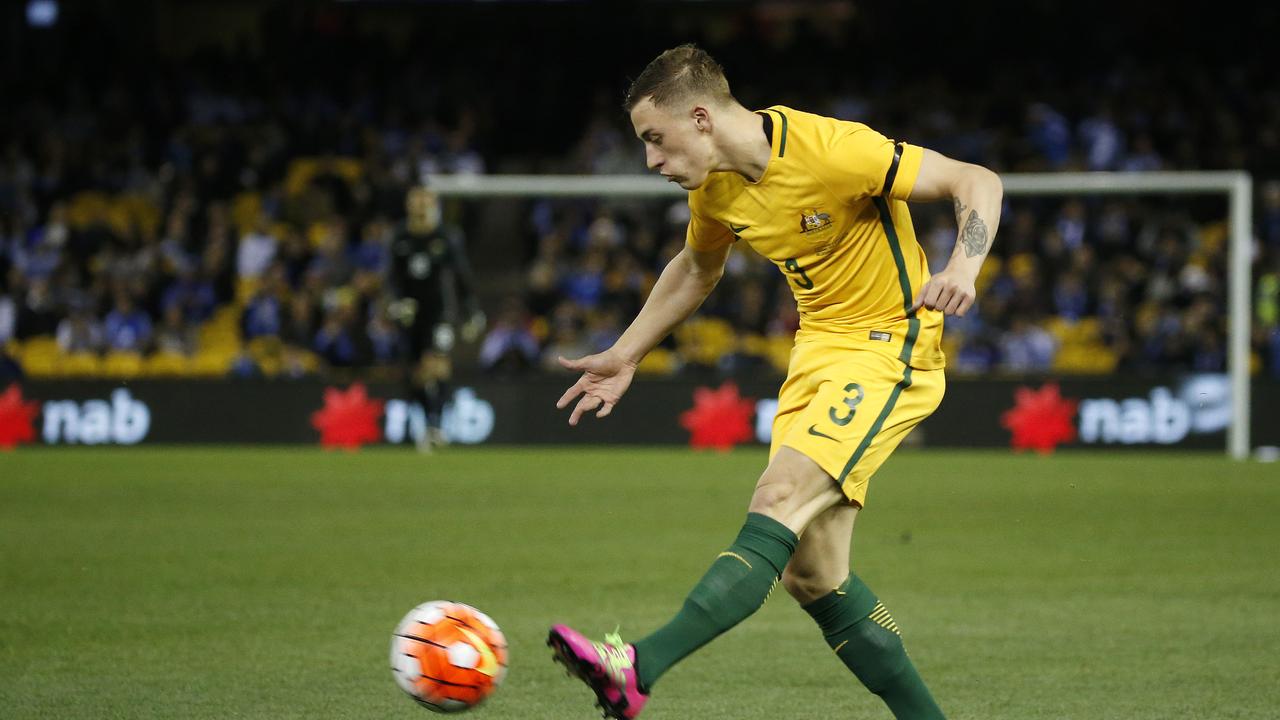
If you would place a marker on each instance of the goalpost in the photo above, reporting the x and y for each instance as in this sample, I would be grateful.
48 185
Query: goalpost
1236 185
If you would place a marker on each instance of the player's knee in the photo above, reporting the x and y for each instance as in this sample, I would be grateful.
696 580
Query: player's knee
793 490
773 495
806 584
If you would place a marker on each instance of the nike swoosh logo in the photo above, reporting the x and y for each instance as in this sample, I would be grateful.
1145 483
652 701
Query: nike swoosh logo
737 228
812 431
488 661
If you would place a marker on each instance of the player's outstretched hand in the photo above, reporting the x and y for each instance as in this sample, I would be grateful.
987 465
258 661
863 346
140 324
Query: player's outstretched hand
605 377
950 291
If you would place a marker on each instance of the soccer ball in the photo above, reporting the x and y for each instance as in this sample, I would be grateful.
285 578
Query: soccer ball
448 656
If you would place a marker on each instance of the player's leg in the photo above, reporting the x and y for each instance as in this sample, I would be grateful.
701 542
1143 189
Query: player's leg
790 493
853 621
820 563
437 371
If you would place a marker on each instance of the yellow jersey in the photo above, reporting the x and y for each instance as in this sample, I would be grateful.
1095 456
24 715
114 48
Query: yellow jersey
830 211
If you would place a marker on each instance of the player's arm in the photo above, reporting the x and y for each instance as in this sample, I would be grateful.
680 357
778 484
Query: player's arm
684 284
402 307
682 287
976 193
474 321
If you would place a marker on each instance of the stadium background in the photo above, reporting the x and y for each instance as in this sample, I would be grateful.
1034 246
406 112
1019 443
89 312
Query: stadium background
196 204
209 190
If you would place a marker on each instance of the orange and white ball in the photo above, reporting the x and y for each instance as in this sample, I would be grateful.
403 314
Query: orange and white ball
448 656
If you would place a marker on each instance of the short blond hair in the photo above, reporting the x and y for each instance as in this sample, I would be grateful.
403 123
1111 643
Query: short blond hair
679 73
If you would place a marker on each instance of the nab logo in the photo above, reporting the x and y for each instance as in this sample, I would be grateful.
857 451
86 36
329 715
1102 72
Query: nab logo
123 420
467 419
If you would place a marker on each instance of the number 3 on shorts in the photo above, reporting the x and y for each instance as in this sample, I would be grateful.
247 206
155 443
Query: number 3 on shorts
850 402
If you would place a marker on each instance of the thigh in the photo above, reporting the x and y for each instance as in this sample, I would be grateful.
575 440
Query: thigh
862 406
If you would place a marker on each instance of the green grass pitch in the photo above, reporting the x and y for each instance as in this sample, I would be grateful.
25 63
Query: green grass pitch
264 583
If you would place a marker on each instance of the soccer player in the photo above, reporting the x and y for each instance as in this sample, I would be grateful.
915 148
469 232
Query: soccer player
424 255
826 201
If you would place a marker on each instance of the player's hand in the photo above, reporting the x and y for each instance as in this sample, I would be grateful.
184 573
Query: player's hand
605 377
403 310
951 291
474 326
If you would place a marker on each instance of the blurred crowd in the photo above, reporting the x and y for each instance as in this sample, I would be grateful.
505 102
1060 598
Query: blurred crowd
232 212
180 226
1073 285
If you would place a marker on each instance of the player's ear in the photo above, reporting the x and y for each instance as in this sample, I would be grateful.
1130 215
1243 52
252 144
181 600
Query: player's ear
701 118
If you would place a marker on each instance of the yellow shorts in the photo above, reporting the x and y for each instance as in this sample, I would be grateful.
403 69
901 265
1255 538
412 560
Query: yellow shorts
847 409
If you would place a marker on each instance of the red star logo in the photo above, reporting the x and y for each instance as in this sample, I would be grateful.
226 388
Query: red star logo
1040 419
719 419
348 419
16 419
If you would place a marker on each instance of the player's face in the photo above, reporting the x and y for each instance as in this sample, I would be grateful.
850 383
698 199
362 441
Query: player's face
677 144
422 210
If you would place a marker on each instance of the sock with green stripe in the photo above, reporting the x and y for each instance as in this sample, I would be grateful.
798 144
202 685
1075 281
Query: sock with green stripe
737 585
865 637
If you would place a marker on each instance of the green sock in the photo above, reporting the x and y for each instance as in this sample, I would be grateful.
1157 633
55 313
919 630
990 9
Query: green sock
867 640
737 584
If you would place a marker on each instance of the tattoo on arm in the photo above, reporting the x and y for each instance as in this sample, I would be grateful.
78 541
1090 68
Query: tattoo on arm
974 236
959 210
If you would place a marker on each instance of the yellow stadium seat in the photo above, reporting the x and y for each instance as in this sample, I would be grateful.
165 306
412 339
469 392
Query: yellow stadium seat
1059 328
267 346
1213 237
1088 330
299 175
780 352
1085 359
316 233
349 169
209 363
267 352
540 328
223 329
166 364
40 366
245 288
950 346
87 208
302 170
246 208
142 211
705 340
270 366
756 345
119 219
41 345
989 272
1074 332
297 361
83 365
39 356
660 361
122 365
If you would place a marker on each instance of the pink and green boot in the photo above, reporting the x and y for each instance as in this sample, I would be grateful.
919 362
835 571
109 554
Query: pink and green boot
608 668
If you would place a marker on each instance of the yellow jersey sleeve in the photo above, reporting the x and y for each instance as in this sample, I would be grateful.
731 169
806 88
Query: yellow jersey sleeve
704 234
862 163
